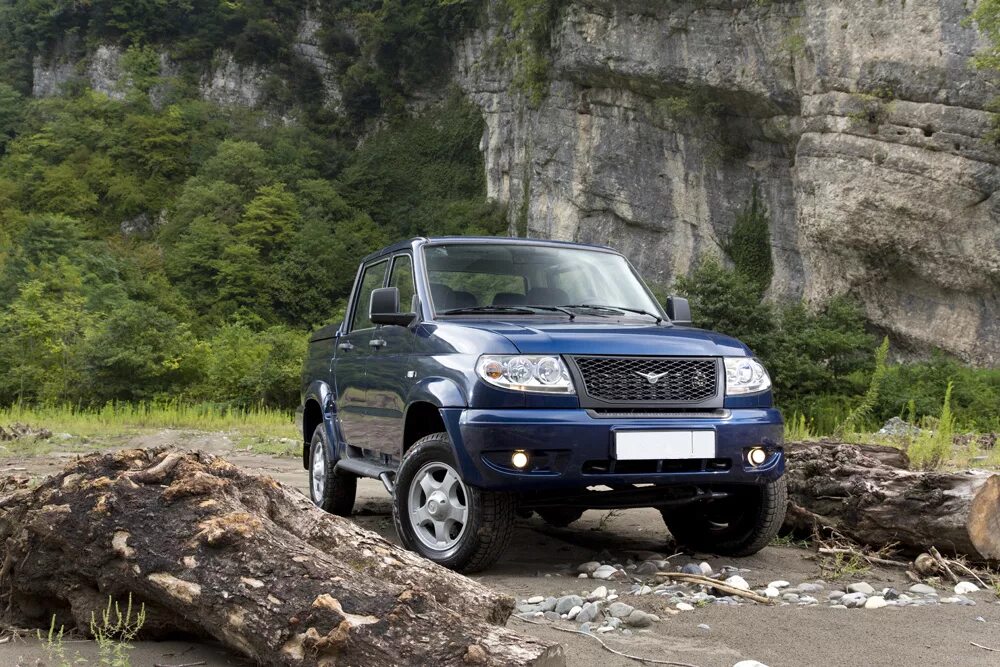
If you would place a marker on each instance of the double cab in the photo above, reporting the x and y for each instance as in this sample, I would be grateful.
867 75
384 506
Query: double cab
484 378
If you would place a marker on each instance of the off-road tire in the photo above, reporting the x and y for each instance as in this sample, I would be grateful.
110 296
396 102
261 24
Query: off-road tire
741 525
559 517
340 488
490 520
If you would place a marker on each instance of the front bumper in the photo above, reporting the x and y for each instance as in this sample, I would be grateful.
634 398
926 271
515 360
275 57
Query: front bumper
571 449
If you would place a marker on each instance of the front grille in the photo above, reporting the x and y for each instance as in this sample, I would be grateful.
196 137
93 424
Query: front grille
627 379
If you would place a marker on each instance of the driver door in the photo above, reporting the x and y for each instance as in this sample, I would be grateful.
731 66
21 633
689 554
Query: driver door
350 365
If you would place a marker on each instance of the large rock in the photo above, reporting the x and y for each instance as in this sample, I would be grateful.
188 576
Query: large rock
862 124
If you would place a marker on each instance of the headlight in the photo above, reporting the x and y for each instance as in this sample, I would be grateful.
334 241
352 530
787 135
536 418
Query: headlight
745 375
542 374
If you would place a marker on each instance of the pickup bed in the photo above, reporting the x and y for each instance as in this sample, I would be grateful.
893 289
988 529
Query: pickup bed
481 378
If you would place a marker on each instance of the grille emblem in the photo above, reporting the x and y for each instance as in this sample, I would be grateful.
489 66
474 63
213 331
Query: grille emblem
652 378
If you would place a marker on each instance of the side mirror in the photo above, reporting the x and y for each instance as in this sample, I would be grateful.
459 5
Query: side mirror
679 311
384 308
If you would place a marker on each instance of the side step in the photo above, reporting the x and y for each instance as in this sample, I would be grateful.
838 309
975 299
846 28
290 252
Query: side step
368 468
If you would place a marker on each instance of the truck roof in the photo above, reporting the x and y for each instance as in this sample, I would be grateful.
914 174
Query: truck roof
408 244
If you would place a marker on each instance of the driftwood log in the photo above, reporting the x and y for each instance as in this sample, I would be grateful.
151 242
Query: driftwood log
867 494
212 550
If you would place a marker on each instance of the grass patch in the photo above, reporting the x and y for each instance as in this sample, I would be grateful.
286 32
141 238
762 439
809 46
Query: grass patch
125 418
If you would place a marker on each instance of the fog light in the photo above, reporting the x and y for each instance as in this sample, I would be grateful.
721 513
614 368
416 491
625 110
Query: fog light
756 456
519 459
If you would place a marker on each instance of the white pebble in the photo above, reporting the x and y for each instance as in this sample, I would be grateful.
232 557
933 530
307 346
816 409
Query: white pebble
964 587
536 599
875 602
684 606
771 592
574 612
780 583
736 581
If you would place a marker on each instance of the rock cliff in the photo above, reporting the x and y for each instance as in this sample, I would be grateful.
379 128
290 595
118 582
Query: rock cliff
862 124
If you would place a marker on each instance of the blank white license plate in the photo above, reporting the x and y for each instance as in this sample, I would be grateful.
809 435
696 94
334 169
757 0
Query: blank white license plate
656 445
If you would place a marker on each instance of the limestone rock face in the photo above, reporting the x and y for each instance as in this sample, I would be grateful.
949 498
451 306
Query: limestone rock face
862 123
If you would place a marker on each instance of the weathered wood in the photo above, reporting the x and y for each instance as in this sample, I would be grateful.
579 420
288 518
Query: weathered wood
211 549
859 492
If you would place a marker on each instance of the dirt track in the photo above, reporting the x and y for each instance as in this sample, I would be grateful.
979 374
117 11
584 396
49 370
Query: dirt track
541 561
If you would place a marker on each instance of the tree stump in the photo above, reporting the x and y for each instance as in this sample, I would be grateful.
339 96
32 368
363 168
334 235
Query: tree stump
866 494
210 549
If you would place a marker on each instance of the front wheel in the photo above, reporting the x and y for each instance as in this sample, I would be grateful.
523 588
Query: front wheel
329 488
437 515
740 525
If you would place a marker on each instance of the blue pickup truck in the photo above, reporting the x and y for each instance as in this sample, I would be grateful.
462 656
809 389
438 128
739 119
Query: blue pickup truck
482 378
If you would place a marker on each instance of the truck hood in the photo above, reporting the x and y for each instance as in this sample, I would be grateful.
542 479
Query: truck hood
613 338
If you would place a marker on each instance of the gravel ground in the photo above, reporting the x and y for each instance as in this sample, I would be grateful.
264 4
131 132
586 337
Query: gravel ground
687 625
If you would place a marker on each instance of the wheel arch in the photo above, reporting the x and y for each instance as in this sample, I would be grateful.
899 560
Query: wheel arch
317 408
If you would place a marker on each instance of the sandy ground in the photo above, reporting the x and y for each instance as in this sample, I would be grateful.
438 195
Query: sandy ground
541 561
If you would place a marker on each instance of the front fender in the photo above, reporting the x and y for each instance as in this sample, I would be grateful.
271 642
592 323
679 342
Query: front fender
439 392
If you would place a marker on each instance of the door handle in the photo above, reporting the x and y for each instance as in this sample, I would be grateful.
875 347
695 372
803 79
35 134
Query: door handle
345 346
377 342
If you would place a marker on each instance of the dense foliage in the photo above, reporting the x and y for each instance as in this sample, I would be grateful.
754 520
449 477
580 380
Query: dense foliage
176 248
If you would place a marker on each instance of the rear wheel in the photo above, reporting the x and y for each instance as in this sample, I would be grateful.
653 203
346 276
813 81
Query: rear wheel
740 525
440 517
559 517
329 488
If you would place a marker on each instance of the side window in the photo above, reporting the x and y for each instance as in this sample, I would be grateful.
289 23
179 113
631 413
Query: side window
371 280
402 279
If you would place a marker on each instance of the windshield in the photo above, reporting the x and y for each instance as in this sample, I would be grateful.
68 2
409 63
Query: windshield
525 279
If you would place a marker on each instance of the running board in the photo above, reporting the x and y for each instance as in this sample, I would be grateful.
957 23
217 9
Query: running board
365 468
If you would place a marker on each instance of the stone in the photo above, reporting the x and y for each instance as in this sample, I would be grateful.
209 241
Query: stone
771 592
588 567
582 575
875 602
620 609
552 616
835 595
704 626
639 619
647 567
573 613
749 663
807 599
605 628
922 589
890 594
589 612
853 600
691 568
604 572
525 607
861 587
790 597
684 606
568 602
706 569
810 587
736 581
780 583
548 605
965 587
598 593
613 622
536 599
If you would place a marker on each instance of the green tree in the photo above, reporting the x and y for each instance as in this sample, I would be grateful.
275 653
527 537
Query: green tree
138 352
41 332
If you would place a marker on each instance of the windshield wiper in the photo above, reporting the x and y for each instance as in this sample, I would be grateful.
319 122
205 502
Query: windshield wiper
516 310
618 308
507 310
